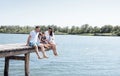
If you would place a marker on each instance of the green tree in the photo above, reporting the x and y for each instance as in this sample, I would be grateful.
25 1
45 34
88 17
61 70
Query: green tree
96 29
84 28
107 29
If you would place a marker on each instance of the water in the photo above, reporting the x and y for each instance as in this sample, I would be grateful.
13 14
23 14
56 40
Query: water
78 56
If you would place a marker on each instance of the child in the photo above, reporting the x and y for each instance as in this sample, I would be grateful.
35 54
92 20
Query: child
43 40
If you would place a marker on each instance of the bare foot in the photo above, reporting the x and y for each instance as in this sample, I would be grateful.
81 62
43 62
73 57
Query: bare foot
45 56
56 54
39 58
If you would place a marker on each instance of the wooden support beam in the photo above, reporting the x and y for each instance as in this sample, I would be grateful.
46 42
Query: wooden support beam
6 67
14 52
27 70
17 57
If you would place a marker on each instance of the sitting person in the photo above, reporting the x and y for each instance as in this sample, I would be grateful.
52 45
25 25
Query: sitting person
33 42
43 40
50 38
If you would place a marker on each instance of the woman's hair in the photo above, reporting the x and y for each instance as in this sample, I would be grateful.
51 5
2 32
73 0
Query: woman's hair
51 32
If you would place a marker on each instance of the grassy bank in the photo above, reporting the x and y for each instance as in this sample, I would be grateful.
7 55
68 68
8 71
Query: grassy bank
98 34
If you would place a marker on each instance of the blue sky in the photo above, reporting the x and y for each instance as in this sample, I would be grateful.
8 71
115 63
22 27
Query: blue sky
59 12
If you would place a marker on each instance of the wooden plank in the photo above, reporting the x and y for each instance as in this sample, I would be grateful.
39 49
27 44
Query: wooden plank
27 71
17 46
15 49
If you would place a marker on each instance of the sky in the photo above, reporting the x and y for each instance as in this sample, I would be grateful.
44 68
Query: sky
60 12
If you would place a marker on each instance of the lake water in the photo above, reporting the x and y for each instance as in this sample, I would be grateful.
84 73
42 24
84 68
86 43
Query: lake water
78 56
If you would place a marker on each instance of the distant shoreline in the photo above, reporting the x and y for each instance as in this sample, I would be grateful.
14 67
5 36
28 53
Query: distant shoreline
85 34
84 30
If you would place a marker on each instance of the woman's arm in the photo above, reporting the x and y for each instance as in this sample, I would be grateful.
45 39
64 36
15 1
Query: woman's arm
53 37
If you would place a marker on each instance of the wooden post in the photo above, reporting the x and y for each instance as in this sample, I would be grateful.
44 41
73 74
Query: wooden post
27 71
6 68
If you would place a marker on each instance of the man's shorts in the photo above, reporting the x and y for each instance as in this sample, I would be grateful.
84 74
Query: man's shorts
32 44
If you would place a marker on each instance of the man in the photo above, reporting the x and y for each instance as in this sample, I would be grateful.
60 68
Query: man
33 42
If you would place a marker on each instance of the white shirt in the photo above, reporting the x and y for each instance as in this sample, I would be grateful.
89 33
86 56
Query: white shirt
34 36
50 38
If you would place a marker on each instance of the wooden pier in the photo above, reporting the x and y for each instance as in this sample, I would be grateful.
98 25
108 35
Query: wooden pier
9 51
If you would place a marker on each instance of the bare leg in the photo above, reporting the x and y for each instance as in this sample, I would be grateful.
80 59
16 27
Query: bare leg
54 49
43 50
36 50
47 46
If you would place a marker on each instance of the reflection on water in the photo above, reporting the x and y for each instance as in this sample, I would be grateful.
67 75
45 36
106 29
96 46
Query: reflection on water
78 56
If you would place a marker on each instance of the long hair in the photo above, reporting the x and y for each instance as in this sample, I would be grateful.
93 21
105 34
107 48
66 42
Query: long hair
51 32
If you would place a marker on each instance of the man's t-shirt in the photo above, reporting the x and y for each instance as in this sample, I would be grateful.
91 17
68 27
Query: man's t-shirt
34 36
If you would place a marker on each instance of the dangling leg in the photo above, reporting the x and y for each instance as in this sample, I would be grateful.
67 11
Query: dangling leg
43 50
37 52
53 46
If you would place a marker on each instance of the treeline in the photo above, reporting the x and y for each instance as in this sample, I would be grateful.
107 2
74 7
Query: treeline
84 29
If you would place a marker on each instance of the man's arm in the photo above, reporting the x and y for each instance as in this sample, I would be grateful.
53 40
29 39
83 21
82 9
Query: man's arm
28 40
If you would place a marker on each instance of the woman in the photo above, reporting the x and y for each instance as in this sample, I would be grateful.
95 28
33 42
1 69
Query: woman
50 38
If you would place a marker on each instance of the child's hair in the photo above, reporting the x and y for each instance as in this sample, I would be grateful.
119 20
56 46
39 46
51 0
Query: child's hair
43 32
40 33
